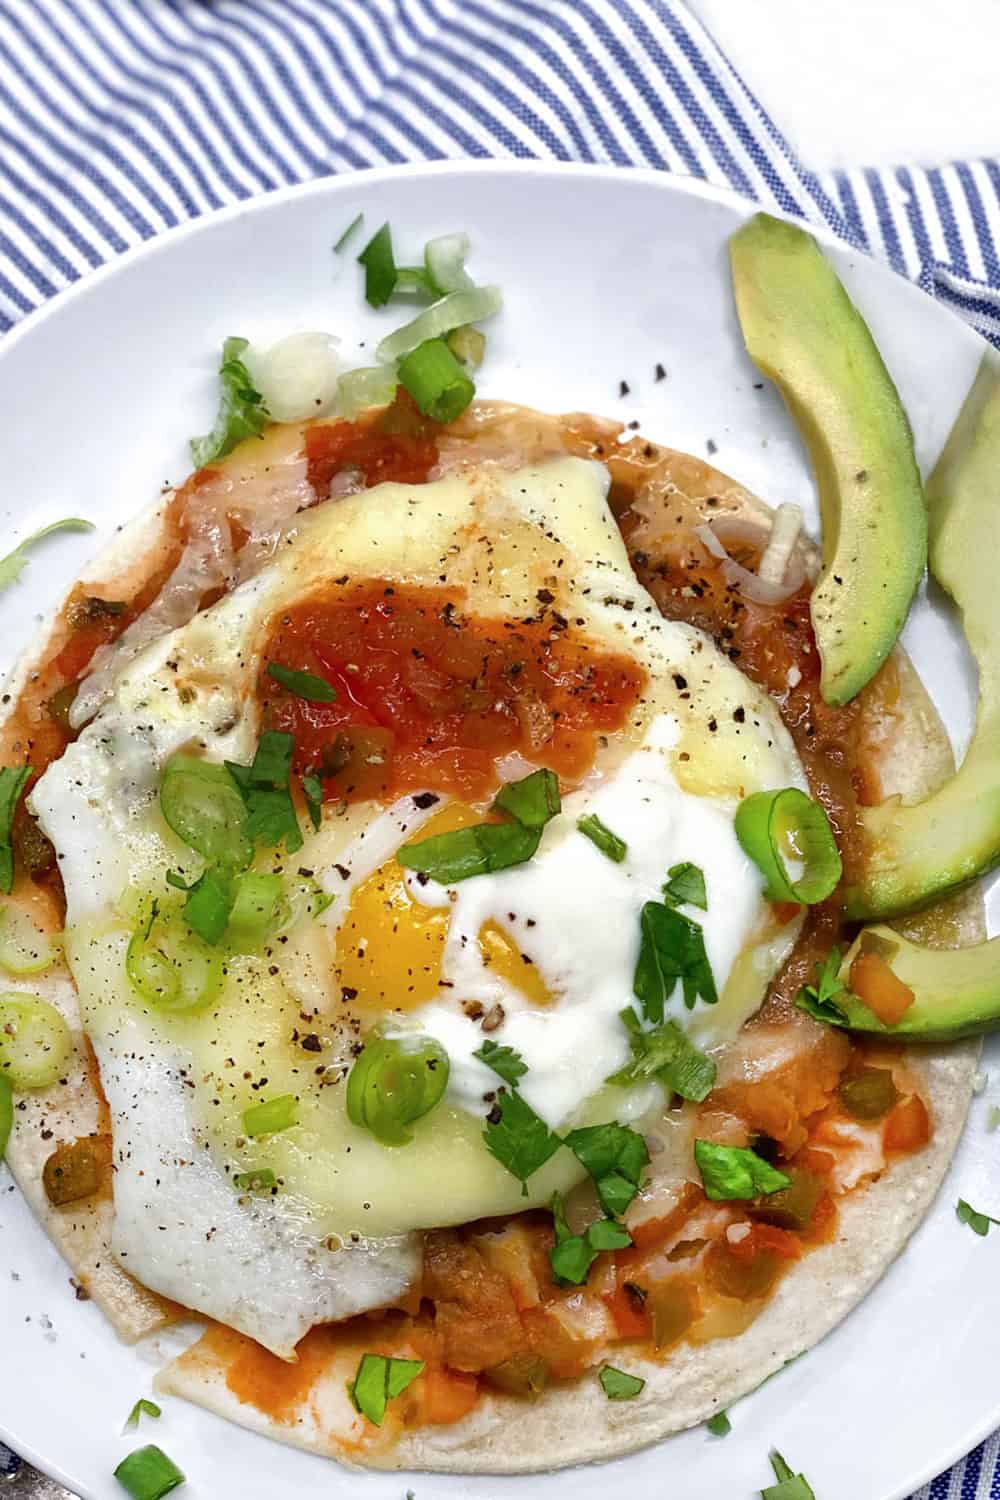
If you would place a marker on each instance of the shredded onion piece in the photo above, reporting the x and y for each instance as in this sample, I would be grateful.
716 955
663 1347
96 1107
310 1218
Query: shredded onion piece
784 534
452 311
708 539
734 529
297 376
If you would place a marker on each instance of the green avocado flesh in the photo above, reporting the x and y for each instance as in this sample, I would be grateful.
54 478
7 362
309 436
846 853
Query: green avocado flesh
916 854
805 334
956 990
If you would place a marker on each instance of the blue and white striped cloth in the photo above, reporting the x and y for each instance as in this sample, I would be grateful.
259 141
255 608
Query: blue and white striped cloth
122 118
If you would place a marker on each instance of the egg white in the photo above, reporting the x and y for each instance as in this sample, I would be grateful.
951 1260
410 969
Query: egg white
337 1237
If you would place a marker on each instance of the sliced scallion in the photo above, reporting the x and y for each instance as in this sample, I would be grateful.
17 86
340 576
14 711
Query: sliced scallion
370 385
600 834
380 267
257 906
271 1115
349 233
202 804
35 1042
23 948
436 381
260 1181
6 1113
148 1474
452 311
468 345
171 968
394 1082
789 838
444 258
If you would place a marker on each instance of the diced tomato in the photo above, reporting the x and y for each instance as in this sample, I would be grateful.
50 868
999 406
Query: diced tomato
379 455
652 1232
814 1160
445 1395
908 1127
785 912
626 1306
873 981
763 1237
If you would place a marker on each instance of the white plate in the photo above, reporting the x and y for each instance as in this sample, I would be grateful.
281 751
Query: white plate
605 273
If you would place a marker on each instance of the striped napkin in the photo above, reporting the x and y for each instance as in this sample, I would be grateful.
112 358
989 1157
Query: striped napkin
122 118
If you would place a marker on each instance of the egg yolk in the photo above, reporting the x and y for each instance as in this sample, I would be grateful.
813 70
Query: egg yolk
390 947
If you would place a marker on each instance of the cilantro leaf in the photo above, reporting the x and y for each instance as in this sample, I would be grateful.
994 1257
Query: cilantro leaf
378 1381
572 1255
504 1061
608 1234
685 883
12 780
719 1425
14 564
979 1223
242 412
303 684
600 834
667 1054
480 850
618 1385
380 267
819 999
790 1486
208 904
533 800
614 1156
312 790
735 1172
672 948
520 1140
264 787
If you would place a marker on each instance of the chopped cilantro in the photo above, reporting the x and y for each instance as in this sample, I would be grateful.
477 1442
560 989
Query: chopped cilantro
380 267
977 1222
572 1255
264 787
666 1053
260 1181
672 948
209 902
685 884
242 412
504 1061
303 684
312 790
533 800
520 1140
818 999
12 780
736 1172
790 1486
719 1425
600 834
142 1408
464 852
378 1381
614 1156
618 1385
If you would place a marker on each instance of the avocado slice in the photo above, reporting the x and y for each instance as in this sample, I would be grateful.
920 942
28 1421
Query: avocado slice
956 990
915 855
804 332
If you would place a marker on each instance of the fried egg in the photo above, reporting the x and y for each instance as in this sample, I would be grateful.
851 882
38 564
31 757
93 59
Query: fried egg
545 950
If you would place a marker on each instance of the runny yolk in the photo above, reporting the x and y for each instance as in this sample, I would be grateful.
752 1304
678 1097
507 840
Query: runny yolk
390 947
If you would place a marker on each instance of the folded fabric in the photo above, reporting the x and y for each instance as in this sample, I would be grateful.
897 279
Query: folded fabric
121 120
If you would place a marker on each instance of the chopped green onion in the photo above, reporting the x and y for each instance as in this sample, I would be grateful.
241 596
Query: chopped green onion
790 1486
380 268
35 1042
685 885
979 1223
414 281
176 970
452 311
371 385
672 948
206 910
260 1181
394 1082
242 412
719 1425
666 1053
14 564
993 1118
533 800
736 1172
349 233
380 1380
465 852
257 906
6 1112
12 779
304 899
23 948
520 1139
600 834
444 258
505 1062
148 1474
436 381
271 1116
618 1385
312 790
614 1156
202 804
789 838
303 684
142 1408
468 345
608 1234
